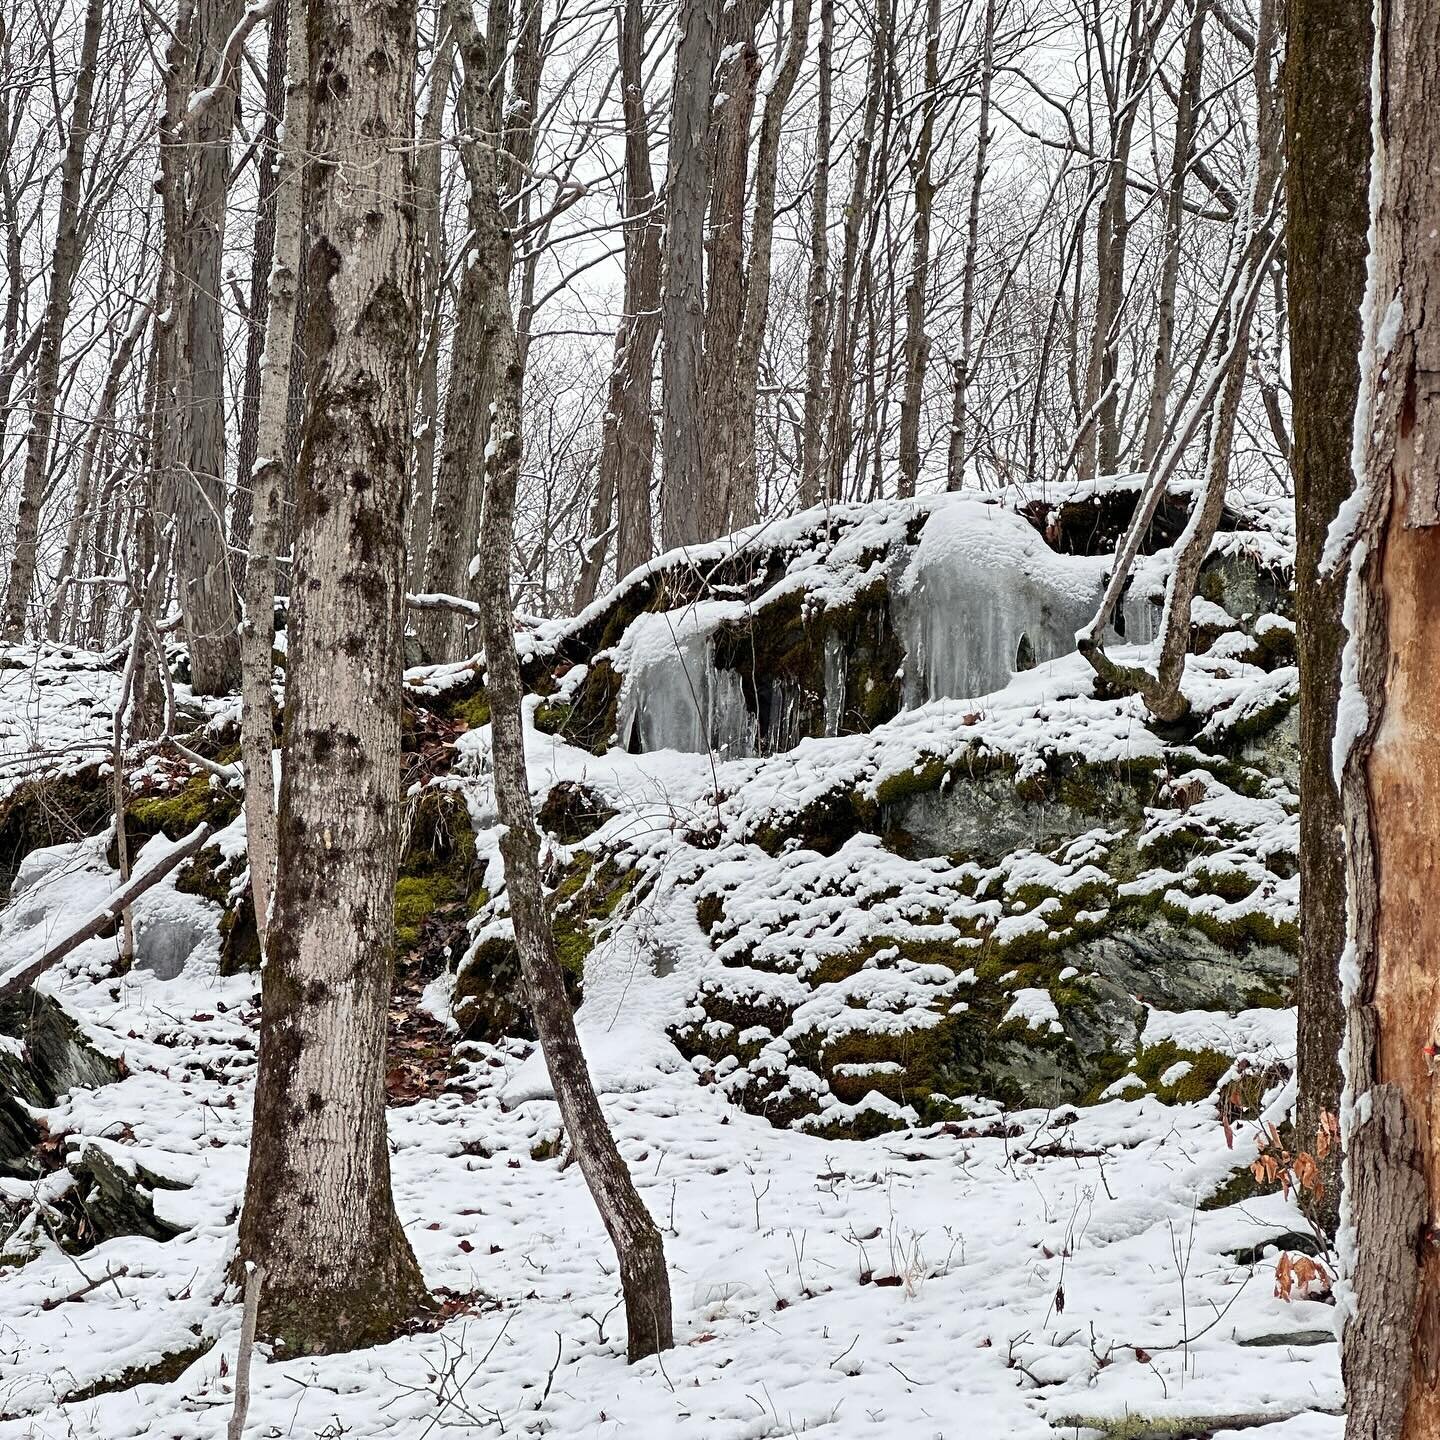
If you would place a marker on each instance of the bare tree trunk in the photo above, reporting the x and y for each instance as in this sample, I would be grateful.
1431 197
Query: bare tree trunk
1163 371
266 484
262 260
817 290
319 1216
744 499
683 302
80 511
1161 689
1098 449
65 260
638 1244
960 388
917 343
1327 117
736 79
1390 775
432 271
199 139
842 359
627 444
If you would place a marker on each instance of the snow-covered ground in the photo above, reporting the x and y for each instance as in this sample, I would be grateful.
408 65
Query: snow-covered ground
1016 1276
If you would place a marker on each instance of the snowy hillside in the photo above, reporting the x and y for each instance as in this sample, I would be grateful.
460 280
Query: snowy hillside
940 1005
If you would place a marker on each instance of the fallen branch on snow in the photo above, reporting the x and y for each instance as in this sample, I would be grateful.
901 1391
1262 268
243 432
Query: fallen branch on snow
26 974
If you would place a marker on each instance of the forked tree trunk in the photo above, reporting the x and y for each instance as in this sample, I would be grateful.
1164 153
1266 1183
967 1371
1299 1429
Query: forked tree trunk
638 1244
683 316
65 261
319 1216
1389 748
1327 114
266 485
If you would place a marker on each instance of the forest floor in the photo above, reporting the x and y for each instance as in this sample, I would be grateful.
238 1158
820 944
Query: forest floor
1020 1274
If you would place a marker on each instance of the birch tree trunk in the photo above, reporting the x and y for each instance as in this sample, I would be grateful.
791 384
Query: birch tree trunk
1389 752
266 485
817 289
917 343
65 260
1327 115
319 1216
638 1244
683 302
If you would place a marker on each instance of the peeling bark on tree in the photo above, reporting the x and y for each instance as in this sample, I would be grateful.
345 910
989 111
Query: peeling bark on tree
319 1216
1390 777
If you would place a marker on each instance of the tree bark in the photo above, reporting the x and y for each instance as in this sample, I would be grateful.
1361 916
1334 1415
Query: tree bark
683 314
744 497
432 271
199 142
627 444
81 507
736 79
65 261
842 359
917 343
319 1216
266 485
817 288
1327 119
960 385
1187 104
1257 245
638 1244
262 262
1389 758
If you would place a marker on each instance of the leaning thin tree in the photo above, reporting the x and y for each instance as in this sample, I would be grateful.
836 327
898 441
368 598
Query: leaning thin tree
638 1244
319 1217
1388 746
